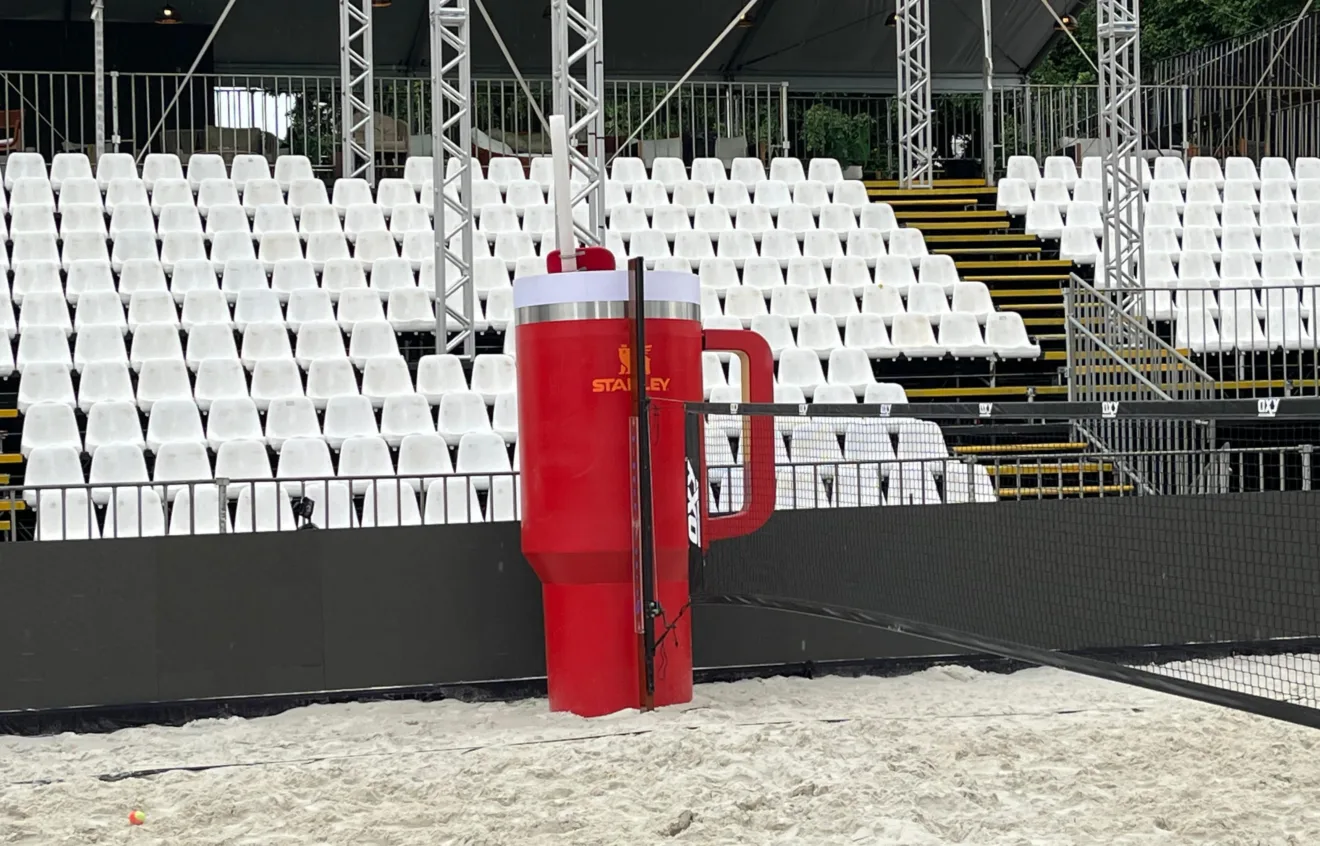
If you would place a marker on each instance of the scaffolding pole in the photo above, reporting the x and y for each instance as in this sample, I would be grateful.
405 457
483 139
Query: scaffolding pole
1118 32
915 156
98 61
579 101
357 111
987 96
451 179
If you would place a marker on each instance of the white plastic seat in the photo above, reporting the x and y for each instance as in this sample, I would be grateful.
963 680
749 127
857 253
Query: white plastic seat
960 334
248 166
347 416
504 416
256 305
411 309
162 379
45 382
125 192
913 336
49 424
939 270
84 246
109 166
43 312
32 191
66 515
394 194
358 305
364 218
421 457
34 247
823 245
389 503
907 243
385 376
197 510
264 341
778 245
493 375
482 452
438 375
671 220
367 456
850 367
973 298
330 378
36 277
79 192
168 192
867 332
461 412
155 343
403 415
79 218
99 344
279 246
524 194
291 169
771 194
116 464
753 219
33 220
63 166
818 333
691 195
303 458
733 195
1044 220
837 303
273 380
418 170
1006 333
350 192
1278 240
91 288
1013 195
929 300
101 381
173 421
802 369
263 507
371 338
1078 244
271 218
233 419
325 246
161 166
181 461
885 301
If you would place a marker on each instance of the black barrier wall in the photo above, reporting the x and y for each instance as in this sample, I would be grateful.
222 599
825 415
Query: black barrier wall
95 623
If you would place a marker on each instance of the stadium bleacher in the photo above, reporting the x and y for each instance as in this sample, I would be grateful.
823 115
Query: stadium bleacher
201 321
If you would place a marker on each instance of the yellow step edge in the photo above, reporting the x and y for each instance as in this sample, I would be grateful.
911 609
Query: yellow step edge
967 191
8 413
1042 321
1015 250
1254 384
1139 366
1047 493
1013 264
1033 306
11 458
4 478
1014 293
7 505
924 201
4 525
1003 238
987 391
1018 277
938 183
989 449
1045 469
973 227
965 214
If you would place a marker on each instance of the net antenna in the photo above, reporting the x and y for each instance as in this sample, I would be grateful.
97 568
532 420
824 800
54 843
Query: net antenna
563 194
645 607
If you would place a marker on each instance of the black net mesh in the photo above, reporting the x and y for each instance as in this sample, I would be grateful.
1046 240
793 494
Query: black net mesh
1169 545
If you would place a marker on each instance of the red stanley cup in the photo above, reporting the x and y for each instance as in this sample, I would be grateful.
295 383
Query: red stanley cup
575 401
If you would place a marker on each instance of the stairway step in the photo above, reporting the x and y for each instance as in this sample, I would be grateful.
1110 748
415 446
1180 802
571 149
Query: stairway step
1018 264
1139 366
1042 321
945 225
969 191
990 449
1006 249
1031 306
8 413
1018 277
1013 293
11 458
1047 469
937 183
963 214
1067 490
908 200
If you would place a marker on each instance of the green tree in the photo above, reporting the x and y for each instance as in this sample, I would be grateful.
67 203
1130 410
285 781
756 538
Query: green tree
1168 28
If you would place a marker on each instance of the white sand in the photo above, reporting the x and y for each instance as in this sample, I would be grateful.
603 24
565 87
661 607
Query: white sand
944 756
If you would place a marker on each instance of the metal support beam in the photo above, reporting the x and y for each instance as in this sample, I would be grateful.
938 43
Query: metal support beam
987 95
915 154
451 179
579 101
1118 33
357 112
98 62
732 66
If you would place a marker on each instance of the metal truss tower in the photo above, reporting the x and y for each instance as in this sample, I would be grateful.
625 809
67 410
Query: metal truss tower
915 155
451 145
1118 31
579 101
357 89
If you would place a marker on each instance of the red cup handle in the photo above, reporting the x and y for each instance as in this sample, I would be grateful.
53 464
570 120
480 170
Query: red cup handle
758 385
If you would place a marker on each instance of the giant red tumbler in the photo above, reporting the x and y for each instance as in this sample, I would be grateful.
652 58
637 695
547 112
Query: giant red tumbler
575 401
